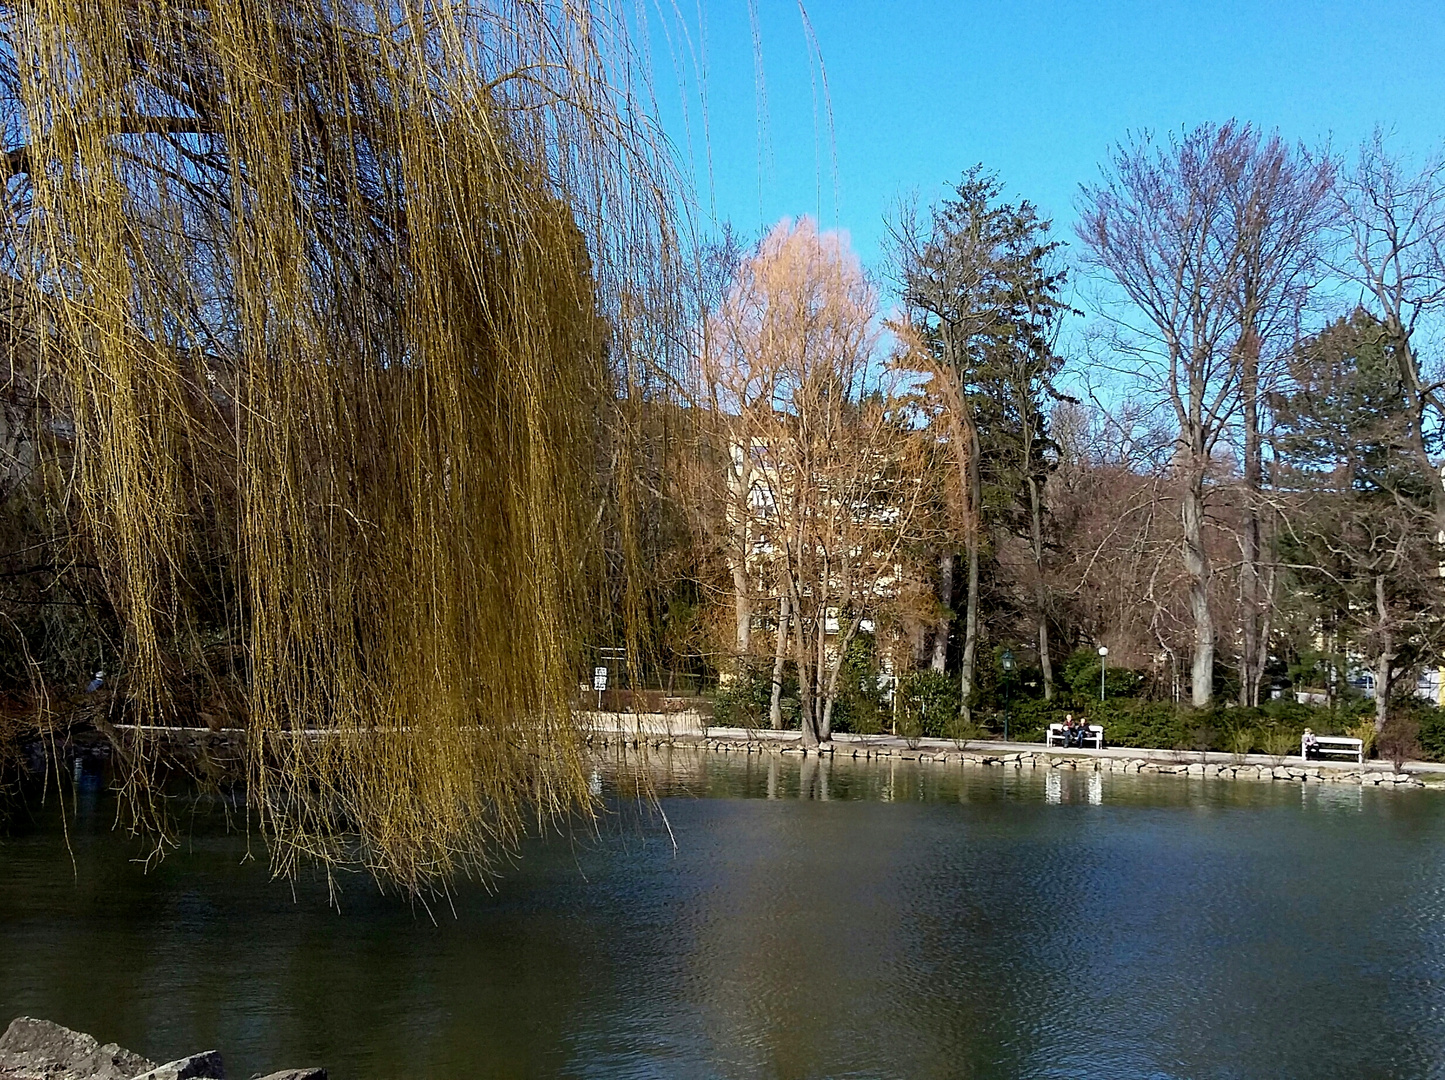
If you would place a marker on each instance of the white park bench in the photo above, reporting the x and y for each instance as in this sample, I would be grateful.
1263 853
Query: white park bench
1334 745
1056 737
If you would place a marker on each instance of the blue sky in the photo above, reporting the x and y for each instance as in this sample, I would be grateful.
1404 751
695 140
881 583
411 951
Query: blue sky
1037 91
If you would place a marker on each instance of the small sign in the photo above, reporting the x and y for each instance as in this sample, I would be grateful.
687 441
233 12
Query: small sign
599 679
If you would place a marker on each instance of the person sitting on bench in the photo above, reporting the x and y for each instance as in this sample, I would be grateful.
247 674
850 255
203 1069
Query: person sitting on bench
1311 748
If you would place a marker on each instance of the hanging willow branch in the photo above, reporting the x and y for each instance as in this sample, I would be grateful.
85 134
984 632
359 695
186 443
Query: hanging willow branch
327 296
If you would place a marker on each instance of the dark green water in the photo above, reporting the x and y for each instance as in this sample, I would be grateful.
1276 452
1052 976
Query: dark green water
853 921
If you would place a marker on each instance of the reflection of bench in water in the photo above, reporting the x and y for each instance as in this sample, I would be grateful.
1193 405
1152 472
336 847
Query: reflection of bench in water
1093 786
1093 733
1334 745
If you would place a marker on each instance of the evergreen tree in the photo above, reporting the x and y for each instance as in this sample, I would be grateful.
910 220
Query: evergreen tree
981 283
1359 531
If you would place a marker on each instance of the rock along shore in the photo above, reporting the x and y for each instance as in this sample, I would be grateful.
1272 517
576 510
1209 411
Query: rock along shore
221 752
34 1049
1213 765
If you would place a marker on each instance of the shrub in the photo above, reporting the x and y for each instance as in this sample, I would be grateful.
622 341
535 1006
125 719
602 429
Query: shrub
1081 675
1398 740
1241 742
1275 727
909 726
962 729
1129 722
1365 732
1432 733
1029 716
744 700
1278 742
928 702
860 706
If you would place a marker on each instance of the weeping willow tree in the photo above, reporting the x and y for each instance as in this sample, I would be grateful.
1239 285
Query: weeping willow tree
324 300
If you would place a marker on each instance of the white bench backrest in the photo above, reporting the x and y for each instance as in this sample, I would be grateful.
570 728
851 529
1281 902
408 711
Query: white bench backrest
1338 745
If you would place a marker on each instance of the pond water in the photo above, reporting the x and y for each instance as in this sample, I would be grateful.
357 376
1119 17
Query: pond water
813 920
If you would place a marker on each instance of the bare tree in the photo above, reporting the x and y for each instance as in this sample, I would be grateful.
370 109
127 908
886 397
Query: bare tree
1279 209
1394 224
1159 227
818 449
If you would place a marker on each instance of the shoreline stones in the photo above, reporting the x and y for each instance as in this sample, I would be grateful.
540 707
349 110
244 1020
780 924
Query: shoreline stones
1296 772
33 1049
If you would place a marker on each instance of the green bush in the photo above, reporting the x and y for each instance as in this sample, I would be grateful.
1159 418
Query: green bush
1432 733
1027 718
744 700
1399 741
1130 722
860 706
1278 723
929 702
1165 725
1081 675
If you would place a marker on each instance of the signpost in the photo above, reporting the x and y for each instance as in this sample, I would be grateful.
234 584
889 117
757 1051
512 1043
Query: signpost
609 671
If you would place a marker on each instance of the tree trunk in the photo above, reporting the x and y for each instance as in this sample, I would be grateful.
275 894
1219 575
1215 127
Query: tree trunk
1266 624
1382 691
828 692
738 559
917 640
970 628
820 664
806 702
945 619
827 682
1041 597
1249 592
742 609
1196 562
972 541
1385 658
1249 611
1044 661
780 652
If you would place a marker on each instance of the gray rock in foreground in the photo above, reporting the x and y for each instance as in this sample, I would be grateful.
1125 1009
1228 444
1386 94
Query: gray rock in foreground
202 1066
34 1049
40 1050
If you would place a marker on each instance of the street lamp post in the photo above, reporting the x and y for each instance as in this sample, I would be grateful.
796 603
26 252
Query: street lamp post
1103 661
1008 667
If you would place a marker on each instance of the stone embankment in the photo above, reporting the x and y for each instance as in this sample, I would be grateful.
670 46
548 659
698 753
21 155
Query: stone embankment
1027 756
40 1050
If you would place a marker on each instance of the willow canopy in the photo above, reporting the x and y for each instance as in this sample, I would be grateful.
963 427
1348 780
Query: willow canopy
317 303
